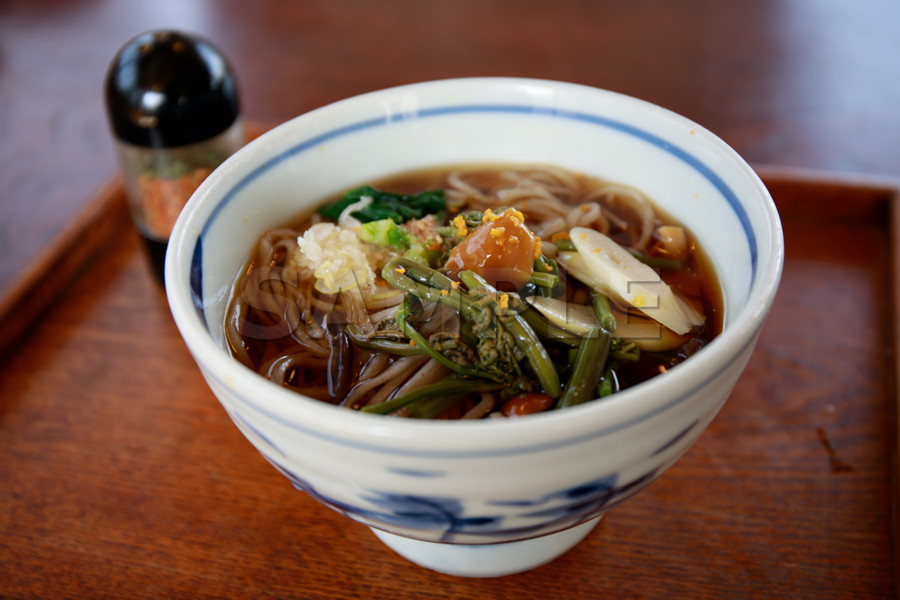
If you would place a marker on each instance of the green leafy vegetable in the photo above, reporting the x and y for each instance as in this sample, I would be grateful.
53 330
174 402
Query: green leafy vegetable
399 208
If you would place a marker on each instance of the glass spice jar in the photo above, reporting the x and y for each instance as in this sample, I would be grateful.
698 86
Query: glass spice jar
172 104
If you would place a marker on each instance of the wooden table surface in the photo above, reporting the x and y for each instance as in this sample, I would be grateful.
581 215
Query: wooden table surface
121 476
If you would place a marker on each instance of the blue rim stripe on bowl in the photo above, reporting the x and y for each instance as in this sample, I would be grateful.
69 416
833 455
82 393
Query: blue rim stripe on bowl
196 268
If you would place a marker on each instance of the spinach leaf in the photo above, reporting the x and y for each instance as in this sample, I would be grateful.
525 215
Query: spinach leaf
399 208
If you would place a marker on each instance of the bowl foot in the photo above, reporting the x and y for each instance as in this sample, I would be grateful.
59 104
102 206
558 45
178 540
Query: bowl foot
487 560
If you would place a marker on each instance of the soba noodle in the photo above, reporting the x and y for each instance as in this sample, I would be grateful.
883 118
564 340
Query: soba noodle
350 343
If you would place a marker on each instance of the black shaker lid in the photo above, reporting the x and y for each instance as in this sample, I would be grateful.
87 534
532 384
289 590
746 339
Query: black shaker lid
167 88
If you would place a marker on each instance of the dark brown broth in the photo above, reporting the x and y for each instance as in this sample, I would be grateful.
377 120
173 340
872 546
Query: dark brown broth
696 280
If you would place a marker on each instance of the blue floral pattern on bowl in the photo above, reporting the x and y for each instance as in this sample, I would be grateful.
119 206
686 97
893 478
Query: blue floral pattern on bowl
445 519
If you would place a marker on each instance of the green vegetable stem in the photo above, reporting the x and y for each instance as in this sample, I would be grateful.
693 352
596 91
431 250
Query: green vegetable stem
404 313
442 390
502 335
565 245
547 330
526 339
604 312
377 342
590 364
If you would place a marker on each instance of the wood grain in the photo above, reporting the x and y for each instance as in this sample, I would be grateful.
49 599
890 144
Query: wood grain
121 476
59 262
805 84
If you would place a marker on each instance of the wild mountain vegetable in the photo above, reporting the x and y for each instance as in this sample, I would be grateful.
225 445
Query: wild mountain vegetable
502 338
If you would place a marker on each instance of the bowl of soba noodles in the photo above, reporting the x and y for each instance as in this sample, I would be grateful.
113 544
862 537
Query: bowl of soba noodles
476 315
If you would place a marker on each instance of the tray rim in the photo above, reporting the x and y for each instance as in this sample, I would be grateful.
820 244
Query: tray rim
105 216
66 255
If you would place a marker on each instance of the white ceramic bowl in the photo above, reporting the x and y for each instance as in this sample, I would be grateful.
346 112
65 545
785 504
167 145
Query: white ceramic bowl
490 497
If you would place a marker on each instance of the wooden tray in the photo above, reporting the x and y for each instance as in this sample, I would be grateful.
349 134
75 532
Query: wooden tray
120 475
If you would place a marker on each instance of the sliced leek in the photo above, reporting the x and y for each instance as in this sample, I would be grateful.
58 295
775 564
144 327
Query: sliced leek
610 269
646 333
573 318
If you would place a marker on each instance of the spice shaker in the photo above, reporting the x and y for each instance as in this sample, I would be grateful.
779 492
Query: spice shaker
172 104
